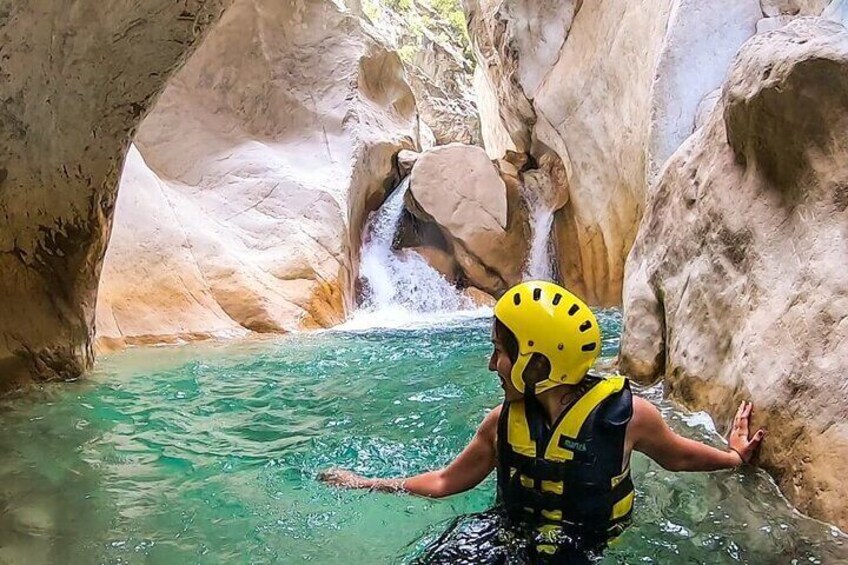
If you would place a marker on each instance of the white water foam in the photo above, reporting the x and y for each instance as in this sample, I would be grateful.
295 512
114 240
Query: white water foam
400 288
540 262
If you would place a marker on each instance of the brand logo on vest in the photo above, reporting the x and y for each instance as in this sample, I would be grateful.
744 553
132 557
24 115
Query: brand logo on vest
572 444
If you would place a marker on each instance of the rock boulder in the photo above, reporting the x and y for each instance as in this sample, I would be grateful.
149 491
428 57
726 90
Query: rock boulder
482 216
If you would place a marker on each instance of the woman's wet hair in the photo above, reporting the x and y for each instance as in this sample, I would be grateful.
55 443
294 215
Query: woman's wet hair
538 369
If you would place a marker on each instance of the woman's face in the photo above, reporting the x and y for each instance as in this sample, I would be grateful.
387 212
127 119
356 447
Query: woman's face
499 362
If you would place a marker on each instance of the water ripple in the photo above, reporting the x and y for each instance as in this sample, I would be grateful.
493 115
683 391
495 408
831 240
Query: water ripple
208 453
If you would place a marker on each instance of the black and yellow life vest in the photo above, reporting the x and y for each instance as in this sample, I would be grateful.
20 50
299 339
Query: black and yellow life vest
568 476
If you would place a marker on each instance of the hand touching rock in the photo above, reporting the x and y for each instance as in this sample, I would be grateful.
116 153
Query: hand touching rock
739 435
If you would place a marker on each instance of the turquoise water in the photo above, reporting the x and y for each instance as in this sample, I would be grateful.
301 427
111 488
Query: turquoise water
208 454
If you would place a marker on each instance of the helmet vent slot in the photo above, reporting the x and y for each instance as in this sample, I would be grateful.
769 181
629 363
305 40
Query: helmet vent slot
589 346
537 294
573 310
516 298
557 298
585 326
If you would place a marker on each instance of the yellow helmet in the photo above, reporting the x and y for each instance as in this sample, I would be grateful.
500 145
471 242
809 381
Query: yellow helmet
549 320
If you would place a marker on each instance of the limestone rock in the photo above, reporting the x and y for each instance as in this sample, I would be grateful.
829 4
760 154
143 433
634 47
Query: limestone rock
837 11
766 25
780 12
773 8
493 35
441 81
478 297
260 162
705 108
548 183
438 69
597 86
457 187
495 137
610 89
736 287
406 159
76 83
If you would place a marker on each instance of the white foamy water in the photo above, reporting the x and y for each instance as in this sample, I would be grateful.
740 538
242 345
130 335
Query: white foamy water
400 288
400 318
539 262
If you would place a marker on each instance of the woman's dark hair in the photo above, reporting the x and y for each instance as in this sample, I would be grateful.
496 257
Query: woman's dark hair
510 343
538 369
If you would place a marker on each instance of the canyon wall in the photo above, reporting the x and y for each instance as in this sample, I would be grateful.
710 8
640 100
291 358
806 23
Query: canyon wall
599 94
77 80
242 210
736 287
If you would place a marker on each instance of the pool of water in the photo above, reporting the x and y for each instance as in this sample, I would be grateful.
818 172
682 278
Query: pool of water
208 453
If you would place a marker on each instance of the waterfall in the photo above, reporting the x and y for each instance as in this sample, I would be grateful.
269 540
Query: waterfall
540 262
399 285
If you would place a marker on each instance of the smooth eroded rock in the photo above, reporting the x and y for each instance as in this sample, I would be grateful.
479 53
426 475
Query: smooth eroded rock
609 89
77 80
264 155
460 189
736 287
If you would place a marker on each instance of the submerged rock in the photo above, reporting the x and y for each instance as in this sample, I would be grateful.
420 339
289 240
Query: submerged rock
260 163
736 288
458 188
77 80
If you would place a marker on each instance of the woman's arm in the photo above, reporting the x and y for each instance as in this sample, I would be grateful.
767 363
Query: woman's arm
468 470
652 436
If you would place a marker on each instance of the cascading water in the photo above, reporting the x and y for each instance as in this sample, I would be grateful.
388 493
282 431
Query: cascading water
399 285
539 263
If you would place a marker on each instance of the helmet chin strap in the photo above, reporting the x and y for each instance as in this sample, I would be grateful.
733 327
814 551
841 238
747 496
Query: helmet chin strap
536 412
517 374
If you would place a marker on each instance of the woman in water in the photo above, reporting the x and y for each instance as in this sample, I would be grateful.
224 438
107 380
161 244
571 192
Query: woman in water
561 441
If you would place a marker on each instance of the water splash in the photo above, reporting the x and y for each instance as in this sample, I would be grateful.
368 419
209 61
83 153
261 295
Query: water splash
540 261
399 285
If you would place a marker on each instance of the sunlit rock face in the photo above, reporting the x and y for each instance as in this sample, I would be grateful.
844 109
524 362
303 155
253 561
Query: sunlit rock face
736 287
242 209
434 50
608 89
478 209
441 81
76 81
